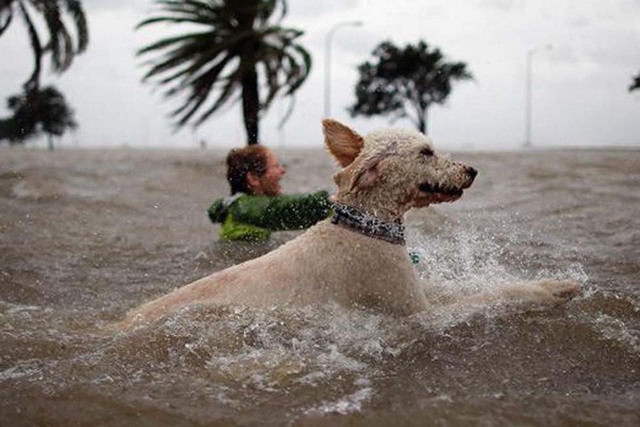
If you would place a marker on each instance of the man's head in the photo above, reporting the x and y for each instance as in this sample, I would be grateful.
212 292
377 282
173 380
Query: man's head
254 170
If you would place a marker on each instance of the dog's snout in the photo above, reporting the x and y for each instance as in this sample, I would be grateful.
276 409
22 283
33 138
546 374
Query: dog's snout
472 172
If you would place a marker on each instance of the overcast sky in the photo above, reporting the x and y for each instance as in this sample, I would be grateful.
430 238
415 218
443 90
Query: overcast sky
580 85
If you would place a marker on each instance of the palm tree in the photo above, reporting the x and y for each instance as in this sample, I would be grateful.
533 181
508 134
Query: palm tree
37 111
635 85
235 49
60 43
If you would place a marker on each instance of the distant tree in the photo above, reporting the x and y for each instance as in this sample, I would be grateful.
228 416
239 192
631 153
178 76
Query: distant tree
235 49
636 83
60 43
36 112
405 82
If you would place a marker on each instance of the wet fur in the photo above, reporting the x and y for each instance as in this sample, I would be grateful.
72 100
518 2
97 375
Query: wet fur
385 174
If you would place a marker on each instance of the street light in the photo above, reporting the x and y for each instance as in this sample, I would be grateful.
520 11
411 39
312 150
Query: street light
530 53
327 63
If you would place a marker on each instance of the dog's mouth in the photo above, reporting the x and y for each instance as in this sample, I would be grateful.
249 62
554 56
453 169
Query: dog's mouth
432 193
437 190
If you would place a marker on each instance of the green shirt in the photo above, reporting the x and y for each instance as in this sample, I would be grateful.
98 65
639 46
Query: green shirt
253 218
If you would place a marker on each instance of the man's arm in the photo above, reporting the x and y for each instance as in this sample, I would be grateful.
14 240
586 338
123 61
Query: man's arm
289 212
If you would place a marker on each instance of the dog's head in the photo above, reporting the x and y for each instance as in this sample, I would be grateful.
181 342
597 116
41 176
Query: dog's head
390 171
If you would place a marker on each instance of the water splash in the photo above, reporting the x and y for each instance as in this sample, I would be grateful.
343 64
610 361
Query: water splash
463 257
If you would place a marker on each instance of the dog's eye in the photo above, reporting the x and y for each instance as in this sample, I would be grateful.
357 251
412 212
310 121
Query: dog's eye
427 152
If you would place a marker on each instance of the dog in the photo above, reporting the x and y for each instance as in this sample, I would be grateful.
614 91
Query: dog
357 257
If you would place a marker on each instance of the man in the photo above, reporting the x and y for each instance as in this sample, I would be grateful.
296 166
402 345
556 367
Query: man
256 207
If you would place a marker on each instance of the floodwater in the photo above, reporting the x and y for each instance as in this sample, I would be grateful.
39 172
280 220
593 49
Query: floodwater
87 235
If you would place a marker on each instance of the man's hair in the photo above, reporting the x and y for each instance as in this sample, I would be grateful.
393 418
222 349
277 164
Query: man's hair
241 161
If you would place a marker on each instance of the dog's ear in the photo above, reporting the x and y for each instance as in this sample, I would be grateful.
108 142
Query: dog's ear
356 179
365 178
343 143
368 174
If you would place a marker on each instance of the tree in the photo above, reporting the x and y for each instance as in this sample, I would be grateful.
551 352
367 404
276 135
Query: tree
36 112
636 83
60 44
234 50
405 82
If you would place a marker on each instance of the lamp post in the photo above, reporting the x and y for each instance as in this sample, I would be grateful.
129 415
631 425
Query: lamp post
529 81
327 62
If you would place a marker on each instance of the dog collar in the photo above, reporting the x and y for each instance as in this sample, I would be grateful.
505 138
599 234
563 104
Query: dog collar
367 224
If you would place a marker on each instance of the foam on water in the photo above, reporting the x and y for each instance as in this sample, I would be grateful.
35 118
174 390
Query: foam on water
613 329
346 404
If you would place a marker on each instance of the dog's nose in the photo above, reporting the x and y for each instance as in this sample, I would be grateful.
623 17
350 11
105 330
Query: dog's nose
472 172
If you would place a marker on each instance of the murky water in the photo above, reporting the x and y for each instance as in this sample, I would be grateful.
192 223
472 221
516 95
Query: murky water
87 235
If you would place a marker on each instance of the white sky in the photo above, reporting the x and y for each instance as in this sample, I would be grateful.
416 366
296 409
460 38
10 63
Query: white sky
580 94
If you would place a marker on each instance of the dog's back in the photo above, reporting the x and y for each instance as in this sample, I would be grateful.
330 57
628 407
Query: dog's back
326 263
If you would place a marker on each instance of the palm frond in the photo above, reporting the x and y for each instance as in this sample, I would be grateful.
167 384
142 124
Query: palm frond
74 7
194 11
60 42
230 88
53 20
6 14
36 46
201 89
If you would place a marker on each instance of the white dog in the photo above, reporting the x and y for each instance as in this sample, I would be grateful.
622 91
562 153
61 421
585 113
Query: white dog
357 258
